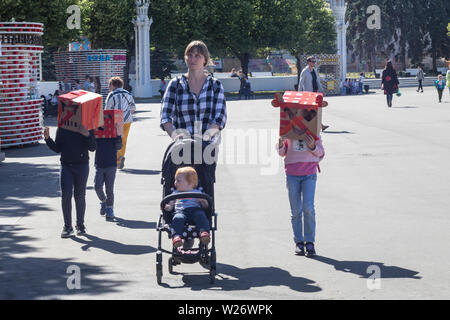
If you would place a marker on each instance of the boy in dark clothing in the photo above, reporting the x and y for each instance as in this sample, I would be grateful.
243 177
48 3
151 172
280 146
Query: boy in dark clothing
74 148
106 167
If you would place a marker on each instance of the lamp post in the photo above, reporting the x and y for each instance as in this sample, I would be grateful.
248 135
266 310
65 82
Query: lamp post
339 7
142 37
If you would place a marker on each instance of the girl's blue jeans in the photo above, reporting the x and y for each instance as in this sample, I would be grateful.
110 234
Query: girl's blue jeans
301 190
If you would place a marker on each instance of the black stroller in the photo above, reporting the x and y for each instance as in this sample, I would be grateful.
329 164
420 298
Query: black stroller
174 158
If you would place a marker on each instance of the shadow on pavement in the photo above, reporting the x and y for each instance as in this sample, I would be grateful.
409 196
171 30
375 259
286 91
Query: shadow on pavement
30 151
137 119
360 268
21 182
45 278
134 224
112 246
338 132
405 107
141 171
232 278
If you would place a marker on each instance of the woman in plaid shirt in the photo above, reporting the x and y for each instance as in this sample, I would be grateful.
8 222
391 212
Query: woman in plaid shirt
194 101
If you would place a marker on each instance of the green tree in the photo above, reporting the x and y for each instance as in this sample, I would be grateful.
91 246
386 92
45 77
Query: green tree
368 43
437 13
312 30
108 25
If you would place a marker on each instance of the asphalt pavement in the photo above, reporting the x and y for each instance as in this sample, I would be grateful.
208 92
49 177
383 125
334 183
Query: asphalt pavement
382 206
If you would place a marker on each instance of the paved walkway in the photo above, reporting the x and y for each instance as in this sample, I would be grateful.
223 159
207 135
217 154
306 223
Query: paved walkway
382 200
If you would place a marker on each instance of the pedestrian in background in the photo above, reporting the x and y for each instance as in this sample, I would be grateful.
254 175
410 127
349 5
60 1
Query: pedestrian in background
420 77
389 82
120 99
310 80
440 86
448 80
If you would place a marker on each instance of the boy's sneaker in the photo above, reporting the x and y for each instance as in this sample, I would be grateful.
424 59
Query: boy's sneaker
102 208
67 232
300 249
205 238
81 230
121 162
177 242
109 214
310 252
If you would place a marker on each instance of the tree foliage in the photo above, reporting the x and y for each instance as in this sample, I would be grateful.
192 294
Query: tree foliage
409 28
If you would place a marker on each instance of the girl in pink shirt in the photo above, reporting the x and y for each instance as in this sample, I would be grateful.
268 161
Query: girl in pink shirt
301 159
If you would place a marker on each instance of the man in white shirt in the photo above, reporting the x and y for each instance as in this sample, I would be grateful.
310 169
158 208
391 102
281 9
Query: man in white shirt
121 99
310 80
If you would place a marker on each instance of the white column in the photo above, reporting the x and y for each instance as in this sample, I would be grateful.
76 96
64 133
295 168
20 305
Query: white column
142 26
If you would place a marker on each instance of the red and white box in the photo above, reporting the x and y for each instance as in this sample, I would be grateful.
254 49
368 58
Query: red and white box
113 125
300 114
80 108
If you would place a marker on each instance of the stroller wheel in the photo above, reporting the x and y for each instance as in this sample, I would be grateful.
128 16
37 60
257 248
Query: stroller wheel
212 276
159 273
171 265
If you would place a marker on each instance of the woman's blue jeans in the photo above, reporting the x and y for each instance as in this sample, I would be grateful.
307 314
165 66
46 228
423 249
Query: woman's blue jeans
301 190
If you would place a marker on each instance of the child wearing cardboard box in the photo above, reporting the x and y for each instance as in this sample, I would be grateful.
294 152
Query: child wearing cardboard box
109 141
74 148
105 173
301 158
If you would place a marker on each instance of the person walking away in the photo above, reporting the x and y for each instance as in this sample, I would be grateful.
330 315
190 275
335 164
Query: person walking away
440 86
105 173
120 99
74 148
420 77
389 82
301 160
310 80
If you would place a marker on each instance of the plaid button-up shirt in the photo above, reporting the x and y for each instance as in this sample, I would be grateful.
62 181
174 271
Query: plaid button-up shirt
185 110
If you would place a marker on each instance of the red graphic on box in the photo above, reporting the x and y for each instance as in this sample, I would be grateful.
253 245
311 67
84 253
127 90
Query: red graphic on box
80 108
113 125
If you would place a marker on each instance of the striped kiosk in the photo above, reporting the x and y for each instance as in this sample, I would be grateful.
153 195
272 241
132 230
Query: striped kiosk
20 108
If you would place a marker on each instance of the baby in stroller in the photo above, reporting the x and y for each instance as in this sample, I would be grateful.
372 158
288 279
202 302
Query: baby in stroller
188 210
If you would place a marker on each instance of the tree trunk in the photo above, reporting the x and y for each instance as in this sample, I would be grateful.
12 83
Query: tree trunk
373 61
404 58
434 55
299 70
244 58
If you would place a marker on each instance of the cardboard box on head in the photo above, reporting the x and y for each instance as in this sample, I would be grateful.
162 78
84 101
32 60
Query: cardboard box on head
80 108
113 125
300 114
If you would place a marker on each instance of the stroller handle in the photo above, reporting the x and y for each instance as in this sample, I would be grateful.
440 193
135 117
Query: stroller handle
182 195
